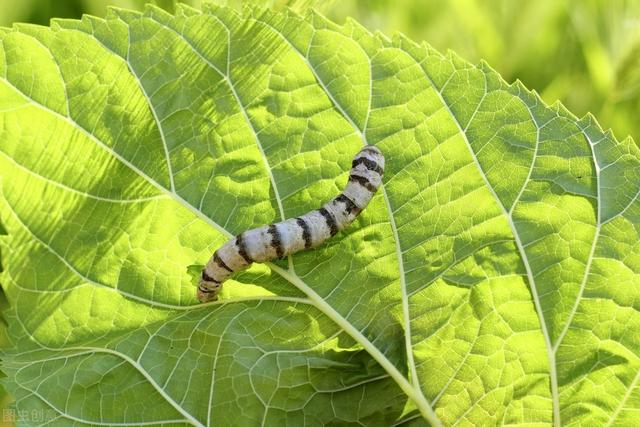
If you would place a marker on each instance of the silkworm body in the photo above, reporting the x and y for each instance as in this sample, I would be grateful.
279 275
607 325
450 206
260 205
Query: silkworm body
292 235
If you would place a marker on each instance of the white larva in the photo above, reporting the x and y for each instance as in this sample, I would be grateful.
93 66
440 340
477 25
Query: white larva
307 231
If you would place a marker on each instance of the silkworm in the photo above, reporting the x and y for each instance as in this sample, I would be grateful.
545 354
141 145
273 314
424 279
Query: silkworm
284 238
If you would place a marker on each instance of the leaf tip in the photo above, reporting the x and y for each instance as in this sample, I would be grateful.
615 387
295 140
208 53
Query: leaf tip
184 9
121 13
151 10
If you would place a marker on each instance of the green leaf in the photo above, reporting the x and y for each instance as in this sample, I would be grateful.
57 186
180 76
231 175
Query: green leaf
493 280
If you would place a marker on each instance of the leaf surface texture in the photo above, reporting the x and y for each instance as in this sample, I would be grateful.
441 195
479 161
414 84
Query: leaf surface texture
493 279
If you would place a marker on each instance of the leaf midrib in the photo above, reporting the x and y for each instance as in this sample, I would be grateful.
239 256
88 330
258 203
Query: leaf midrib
413 379
532 285
550 347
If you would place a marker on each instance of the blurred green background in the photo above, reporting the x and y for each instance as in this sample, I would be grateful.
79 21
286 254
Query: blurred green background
583 53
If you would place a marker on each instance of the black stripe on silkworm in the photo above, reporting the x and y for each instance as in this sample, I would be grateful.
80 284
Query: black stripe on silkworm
288 237
220 262
368 163
330 220
208 278
306 232
363 181
276 241
350 204
242 249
